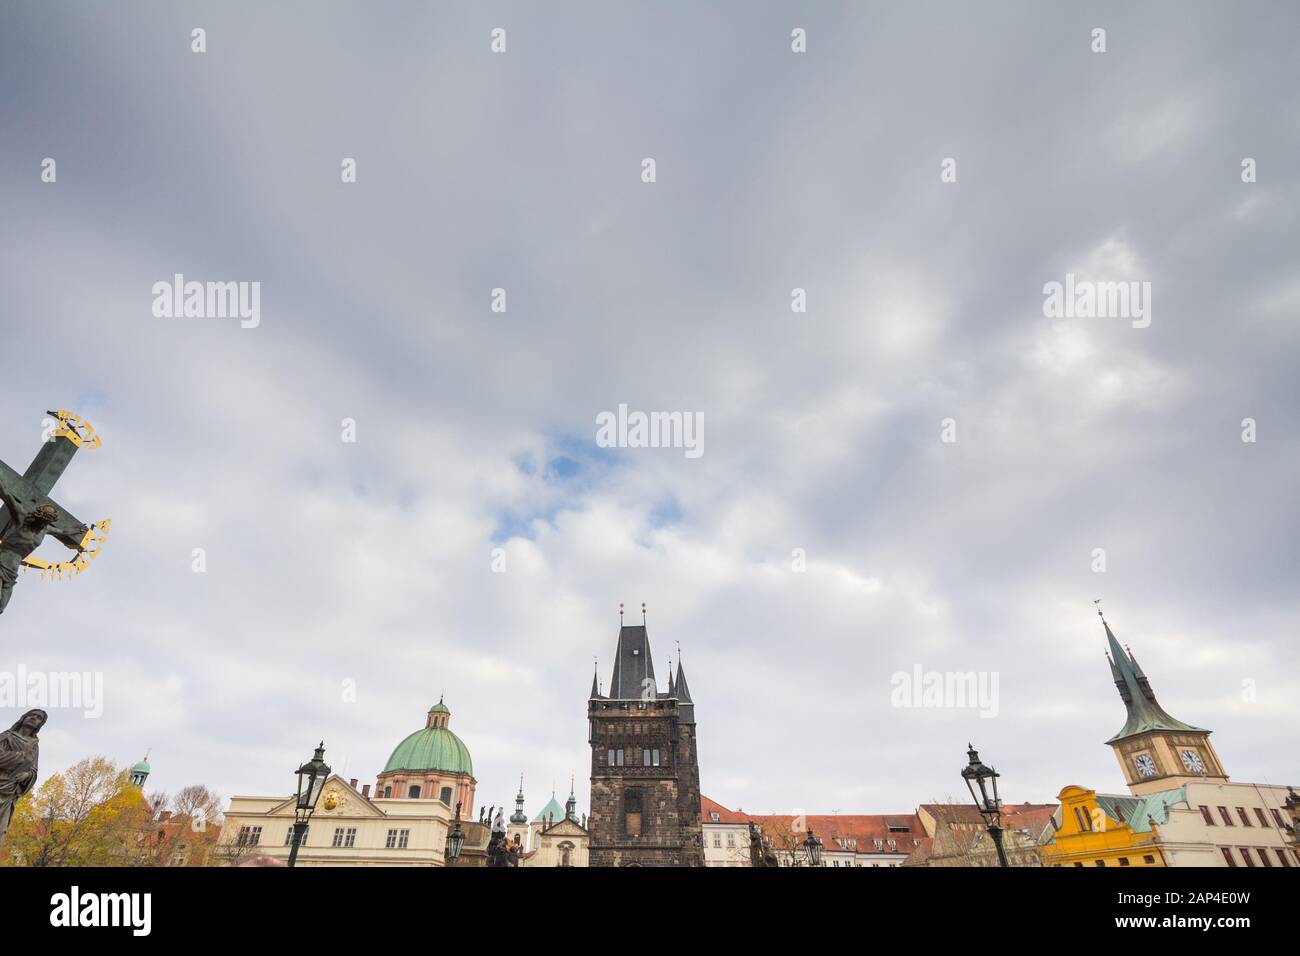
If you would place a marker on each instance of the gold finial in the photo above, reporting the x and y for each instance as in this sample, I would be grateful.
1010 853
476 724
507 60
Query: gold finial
620 612
643 612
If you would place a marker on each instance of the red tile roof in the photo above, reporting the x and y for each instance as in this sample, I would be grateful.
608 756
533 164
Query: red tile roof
858 831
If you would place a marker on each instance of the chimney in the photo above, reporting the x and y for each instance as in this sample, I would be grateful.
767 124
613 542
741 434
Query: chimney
365 791
353 783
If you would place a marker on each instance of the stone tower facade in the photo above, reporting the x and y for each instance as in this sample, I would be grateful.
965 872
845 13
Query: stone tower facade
645 771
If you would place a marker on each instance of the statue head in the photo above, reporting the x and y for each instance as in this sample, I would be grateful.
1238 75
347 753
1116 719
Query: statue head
30 723
43 515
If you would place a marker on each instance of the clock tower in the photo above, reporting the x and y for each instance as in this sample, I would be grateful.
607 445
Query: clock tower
1155 751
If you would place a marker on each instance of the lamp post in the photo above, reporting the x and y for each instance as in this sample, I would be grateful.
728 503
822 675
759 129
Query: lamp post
311 781
976 774
455 839
812 848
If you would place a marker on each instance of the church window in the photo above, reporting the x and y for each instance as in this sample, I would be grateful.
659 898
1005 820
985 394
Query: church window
414 792
632 812
446 795
1225 816
1207 816
566 851
388 791
1245 819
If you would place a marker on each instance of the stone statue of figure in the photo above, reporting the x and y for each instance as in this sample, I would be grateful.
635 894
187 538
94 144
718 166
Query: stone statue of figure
19 749
23 535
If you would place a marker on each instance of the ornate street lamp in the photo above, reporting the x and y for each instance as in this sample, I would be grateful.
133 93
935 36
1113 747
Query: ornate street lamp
311 781
455 839
812 848
976 774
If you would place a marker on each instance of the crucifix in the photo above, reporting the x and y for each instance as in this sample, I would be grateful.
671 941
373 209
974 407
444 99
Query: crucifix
29 514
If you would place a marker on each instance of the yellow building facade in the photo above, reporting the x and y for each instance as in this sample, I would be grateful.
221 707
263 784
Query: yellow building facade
1105 830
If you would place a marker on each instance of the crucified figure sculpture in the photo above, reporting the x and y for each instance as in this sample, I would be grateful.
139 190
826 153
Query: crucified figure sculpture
30 515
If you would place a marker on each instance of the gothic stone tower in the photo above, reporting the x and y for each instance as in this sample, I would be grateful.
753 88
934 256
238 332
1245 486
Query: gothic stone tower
645 775
1155 751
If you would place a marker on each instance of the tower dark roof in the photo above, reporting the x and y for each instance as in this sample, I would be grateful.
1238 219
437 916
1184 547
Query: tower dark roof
632 665
683 693
1144 711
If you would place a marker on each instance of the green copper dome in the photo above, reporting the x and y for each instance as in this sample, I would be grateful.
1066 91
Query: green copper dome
433 747
552 811
141 767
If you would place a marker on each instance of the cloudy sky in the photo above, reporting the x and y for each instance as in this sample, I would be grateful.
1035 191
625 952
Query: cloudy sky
333 565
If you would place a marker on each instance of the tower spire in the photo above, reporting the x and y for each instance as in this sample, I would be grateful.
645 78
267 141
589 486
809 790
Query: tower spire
1144 711
519 816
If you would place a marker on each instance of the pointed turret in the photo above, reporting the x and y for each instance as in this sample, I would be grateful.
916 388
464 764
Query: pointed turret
595 683
1144 711
571 805
683 692
519 816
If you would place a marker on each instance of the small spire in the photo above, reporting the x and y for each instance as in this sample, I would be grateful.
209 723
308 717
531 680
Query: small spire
595 679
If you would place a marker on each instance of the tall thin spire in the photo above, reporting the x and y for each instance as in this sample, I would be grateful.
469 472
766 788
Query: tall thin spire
595 680
1144 711
571 805
519 816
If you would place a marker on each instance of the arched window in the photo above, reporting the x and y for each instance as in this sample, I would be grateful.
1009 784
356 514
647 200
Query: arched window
388 791
566 854
414 792
445 796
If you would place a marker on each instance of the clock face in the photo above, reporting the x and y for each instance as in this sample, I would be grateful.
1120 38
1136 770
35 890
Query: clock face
1146 766
1192 761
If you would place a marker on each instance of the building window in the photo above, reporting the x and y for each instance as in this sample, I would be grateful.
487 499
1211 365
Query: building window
1259 815
288 836
403 838
611 758
731 839
1281 857
1245 855
1123 861
1245 817
714 816
566 854
1209 817
445 796
1225 816
388 791
1149 860
250 836
1077 863
632 812
413 792
654 758
1227 855
1277 818
645 758
717 839
350 837
338 837
1078 818
1263 857
1099 863
391 840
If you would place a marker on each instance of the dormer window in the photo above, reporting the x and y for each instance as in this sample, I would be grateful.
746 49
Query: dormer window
715 817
